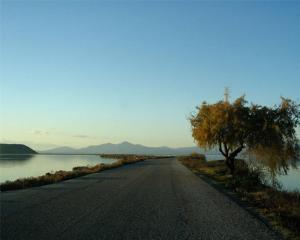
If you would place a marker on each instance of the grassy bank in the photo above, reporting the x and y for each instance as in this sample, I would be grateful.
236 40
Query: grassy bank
61 175
130 158
281 208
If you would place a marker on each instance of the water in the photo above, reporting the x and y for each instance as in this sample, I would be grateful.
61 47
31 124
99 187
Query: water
289 182
211 157
13 167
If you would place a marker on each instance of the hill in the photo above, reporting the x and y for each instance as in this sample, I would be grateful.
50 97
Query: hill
125 148
15 149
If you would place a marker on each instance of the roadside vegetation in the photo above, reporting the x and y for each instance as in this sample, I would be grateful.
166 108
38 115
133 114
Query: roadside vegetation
269 134
249 185
61 175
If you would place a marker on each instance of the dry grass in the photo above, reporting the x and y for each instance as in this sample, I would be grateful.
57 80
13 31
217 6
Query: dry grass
59 176
193 161
280 207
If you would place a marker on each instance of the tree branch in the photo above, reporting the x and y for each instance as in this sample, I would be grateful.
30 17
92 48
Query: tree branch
236 151
226 148
221 150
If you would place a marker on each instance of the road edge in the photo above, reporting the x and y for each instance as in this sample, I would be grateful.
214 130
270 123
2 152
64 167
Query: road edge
235 198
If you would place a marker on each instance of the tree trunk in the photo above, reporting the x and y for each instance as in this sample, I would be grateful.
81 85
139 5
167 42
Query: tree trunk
230 162
230 156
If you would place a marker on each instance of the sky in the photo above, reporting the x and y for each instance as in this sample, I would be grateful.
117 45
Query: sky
79 73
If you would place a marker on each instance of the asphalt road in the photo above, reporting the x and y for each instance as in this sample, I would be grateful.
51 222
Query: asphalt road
154 199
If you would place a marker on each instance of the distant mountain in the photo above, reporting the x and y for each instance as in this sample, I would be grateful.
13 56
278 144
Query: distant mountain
125 148
61 150
15 149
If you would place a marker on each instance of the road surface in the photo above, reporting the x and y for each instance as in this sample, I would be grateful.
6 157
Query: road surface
154 199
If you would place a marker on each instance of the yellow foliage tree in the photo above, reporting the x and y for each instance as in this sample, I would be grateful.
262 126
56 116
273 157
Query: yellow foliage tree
268 132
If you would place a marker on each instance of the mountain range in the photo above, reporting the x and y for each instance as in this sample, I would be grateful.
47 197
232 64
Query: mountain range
124 148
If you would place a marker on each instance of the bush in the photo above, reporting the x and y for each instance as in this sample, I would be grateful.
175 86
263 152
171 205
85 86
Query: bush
247 178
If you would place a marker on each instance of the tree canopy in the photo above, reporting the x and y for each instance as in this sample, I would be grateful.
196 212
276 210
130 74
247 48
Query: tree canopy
268 132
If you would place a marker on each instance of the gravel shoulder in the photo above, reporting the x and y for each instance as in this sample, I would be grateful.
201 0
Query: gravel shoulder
153 199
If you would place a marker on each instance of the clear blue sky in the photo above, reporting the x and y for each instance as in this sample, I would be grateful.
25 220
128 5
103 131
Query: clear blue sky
88 72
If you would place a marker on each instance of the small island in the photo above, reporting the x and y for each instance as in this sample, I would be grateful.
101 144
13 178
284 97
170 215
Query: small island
15 149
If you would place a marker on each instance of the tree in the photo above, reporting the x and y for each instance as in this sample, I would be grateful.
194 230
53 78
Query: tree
268 132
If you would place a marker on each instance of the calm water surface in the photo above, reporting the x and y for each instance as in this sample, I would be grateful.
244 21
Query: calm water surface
13 167
289 182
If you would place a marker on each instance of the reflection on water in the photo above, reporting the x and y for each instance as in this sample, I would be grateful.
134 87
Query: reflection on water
13 167
17 157
11 160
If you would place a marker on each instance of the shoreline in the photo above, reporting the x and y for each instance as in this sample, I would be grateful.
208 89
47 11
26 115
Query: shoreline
77 171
